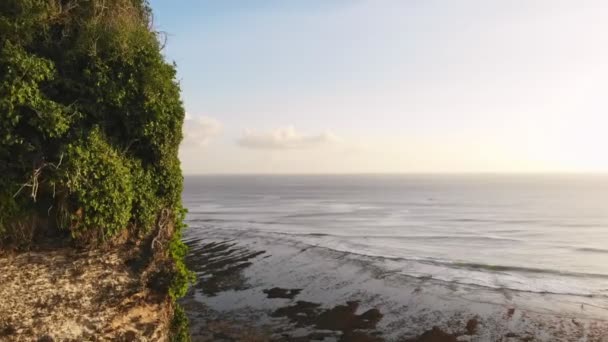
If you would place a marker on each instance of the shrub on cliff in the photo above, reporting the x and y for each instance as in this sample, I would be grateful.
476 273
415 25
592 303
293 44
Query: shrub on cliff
99 183
90 125
90 119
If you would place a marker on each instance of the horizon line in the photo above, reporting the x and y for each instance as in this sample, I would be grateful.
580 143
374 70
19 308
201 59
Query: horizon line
431 173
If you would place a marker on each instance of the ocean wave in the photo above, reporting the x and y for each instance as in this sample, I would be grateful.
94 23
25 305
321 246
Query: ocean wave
520 269
474 266
426 260
316 214
445 271
592 250
494 276
488 220
506 286
507 289
407 237
352 236
231 220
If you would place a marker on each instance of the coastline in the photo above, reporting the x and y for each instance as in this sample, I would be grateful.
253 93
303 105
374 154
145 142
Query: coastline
249 289
278 291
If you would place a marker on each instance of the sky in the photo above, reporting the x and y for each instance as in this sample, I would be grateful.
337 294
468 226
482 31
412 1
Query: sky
381 86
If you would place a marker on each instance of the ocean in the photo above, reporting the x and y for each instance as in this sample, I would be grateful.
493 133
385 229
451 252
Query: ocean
528 233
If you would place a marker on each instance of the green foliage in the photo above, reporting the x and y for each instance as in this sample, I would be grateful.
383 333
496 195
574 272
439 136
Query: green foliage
85 83
90 126
177 250
182 277
23 104
179 325
146 204
9 209
99 185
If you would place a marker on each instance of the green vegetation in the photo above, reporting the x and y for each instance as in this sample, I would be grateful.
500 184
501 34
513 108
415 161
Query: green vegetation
90 125
179 326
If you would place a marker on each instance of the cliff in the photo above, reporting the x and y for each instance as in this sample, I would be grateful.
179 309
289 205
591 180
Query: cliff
66 294
90 194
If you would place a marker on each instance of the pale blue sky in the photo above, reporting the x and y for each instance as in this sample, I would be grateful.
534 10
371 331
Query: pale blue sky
390 86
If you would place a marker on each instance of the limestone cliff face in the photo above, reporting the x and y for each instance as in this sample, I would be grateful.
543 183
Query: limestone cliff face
70 295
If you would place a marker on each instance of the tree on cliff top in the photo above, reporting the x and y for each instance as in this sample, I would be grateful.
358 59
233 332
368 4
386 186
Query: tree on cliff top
90 120
90 126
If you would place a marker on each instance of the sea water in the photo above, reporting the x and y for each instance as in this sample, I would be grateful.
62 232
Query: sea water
530 233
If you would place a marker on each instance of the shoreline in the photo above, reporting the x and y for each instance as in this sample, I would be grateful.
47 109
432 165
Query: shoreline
288 292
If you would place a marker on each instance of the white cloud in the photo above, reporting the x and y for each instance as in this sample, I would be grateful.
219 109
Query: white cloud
286 138
198 131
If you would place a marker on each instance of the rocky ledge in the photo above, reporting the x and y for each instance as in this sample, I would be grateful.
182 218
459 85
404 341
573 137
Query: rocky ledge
65 294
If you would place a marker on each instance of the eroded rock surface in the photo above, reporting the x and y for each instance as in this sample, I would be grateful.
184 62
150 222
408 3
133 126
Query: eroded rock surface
71 295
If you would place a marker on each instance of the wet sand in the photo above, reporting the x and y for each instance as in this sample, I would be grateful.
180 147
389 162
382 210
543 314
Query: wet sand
251 289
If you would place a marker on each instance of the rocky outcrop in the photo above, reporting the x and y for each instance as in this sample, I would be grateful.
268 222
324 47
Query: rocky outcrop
67 294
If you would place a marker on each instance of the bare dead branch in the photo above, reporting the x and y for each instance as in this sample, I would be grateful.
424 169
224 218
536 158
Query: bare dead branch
34 181
162 223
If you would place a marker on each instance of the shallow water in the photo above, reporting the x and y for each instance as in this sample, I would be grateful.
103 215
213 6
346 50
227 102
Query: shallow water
546 234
